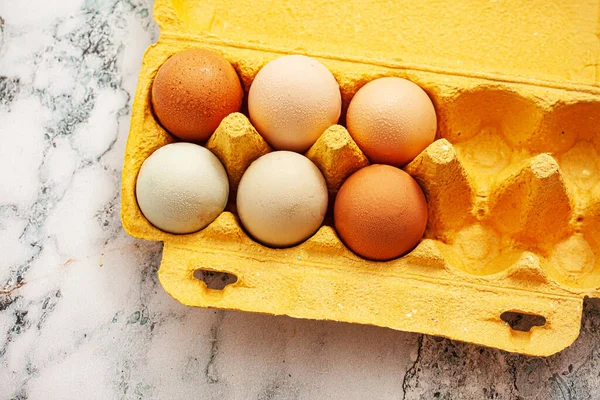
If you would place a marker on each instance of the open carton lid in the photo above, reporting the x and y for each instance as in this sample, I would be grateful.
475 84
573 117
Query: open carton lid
542 42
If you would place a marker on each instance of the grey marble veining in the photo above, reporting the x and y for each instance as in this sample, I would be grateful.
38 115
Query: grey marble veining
82 315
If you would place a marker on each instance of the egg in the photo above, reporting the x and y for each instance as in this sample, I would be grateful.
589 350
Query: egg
282 199
380 212
193 91
292 101
181 188
392 120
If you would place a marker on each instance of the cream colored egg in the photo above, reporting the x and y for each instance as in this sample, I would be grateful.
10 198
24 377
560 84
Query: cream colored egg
292 101
282 199
182 187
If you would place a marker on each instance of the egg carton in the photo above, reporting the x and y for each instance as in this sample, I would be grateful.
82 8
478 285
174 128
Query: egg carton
512 181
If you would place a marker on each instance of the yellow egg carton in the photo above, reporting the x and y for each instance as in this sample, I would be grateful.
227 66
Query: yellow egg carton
513 181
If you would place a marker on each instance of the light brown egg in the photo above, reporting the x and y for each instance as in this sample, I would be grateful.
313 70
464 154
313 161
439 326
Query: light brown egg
380 212
392 120
292 101
193 91
282 199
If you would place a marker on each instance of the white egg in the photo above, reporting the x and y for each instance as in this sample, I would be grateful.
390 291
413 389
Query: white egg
282 199
292 101
182 187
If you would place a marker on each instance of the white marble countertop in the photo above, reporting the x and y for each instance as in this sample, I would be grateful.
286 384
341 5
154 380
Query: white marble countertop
82 315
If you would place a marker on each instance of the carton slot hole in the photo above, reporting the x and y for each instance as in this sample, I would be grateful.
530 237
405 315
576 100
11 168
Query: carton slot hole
522 322
215 280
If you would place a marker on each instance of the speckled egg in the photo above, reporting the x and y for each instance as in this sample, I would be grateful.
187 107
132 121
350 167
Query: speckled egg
193 91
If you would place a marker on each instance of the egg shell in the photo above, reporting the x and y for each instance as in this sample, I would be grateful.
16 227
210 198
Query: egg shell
292 101
282 199
193 91
182 187
392 120
380 212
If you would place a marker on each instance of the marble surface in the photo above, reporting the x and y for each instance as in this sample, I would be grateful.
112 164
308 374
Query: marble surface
82 315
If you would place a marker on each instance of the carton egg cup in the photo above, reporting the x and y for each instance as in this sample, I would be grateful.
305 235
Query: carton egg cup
512 183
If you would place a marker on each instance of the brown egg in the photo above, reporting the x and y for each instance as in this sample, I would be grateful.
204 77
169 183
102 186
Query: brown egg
193 91
380 212
392 120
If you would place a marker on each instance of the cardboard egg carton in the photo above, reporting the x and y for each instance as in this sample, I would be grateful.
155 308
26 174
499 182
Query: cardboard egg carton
512 181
